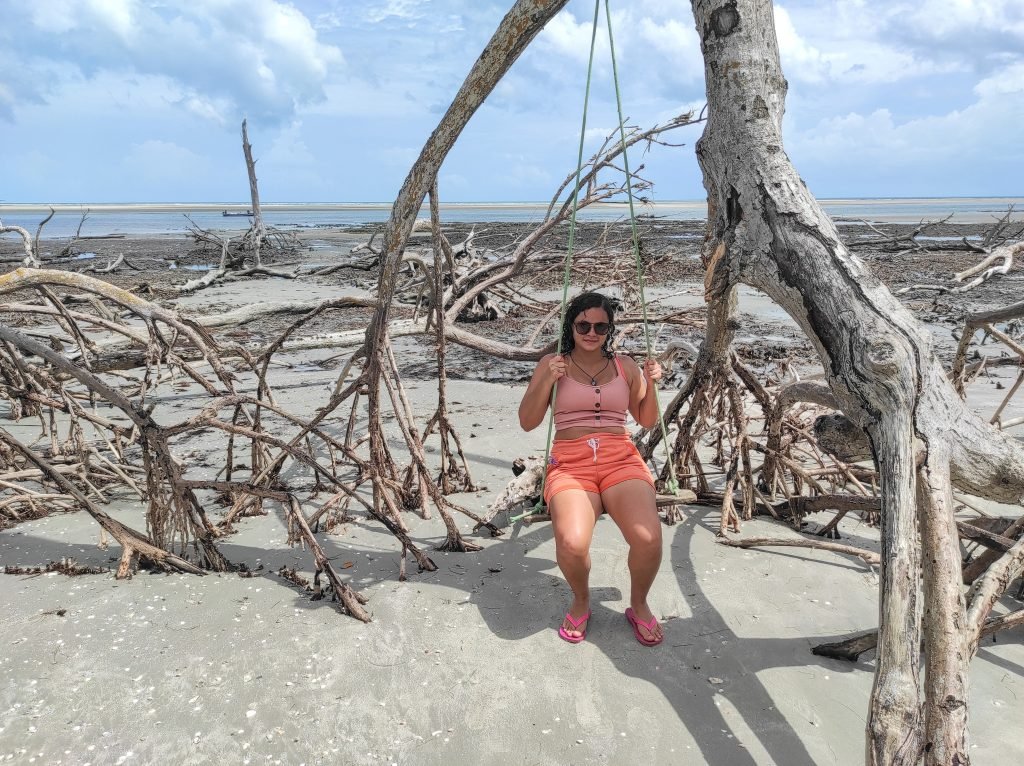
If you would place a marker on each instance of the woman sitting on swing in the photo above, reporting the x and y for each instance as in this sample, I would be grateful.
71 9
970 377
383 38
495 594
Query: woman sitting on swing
594 466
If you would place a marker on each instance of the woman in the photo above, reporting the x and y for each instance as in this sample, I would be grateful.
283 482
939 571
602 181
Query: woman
594 466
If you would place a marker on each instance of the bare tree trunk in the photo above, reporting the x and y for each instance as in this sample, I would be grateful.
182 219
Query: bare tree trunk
945 617
878 361
259 231
894 716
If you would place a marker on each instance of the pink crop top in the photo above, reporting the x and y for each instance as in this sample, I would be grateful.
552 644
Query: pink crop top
582 405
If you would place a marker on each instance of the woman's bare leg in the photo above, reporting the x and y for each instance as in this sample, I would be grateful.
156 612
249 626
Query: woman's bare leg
573 516
631 504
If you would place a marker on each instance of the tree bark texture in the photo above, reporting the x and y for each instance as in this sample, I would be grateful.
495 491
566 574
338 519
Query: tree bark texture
945 621
878 361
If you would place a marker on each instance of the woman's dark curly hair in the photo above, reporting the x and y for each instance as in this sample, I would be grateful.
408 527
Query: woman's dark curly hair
577 306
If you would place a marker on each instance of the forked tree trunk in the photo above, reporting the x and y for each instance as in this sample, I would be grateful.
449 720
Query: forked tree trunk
878 362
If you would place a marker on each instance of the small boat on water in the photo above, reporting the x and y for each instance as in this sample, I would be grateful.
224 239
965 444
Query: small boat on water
228 212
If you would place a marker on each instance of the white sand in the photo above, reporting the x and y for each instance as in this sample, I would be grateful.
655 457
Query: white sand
461 665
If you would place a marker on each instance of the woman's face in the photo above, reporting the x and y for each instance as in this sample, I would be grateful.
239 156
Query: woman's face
591 321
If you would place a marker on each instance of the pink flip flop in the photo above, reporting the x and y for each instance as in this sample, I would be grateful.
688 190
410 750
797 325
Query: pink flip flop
637 623
563 634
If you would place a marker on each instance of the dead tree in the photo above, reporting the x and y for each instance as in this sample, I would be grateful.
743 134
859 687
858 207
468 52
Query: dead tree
257 233
68 250
33 257
254 240
168 342
766 230
900 241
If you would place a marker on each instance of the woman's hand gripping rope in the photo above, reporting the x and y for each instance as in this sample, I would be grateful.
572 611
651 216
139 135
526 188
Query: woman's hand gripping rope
652 369
557 368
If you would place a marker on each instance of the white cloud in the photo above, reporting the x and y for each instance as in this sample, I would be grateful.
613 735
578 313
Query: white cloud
800 58
119 14
6 102
1006 82
161 161
962 150
942 18
407 10
288 150
255 55
565 36
675 43
53 16
206 109
884 87
292 41
848 49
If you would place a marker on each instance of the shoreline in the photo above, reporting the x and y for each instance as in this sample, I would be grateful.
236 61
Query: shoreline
888 209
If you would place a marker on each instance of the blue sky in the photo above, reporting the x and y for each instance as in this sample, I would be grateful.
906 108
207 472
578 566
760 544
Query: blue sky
142 100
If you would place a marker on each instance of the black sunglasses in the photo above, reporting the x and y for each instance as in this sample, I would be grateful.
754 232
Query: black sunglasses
601 328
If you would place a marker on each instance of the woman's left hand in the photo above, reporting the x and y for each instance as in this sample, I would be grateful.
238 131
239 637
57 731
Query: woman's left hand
652 369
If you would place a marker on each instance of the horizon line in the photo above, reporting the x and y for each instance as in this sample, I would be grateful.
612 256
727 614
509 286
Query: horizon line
4 204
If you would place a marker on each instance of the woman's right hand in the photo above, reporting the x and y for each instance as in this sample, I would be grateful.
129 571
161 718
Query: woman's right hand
557 368
549 370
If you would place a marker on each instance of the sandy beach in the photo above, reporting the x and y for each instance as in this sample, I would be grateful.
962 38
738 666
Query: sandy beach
460 665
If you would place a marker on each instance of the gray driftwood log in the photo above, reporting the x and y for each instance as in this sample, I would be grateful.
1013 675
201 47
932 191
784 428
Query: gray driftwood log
769 232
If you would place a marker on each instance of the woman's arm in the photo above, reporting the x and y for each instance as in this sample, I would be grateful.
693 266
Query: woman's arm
538 394
643 401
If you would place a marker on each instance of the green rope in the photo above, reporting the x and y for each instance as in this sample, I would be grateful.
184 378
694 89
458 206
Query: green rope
539 507
673 484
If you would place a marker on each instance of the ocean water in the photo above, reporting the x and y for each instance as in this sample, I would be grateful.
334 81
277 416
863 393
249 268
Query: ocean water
170 218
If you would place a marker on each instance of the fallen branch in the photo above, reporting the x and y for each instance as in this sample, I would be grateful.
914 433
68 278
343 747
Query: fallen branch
868 557
852 648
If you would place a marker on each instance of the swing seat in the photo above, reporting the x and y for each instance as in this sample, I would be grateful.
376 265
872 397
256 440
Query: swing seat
681 497
522 493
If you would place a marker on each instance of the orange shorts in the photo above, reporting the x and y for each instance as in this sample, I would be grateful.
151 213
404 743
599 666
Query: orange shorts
593 463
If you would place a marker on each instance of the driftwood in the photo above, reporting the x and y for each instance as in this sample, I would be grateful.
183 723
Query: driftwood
257 234
852 648
868 557
765 230
987 320
997 262
917 241
134 545
232 259
31 252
